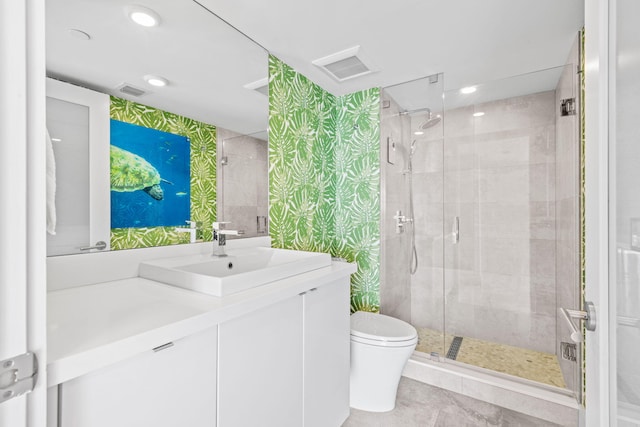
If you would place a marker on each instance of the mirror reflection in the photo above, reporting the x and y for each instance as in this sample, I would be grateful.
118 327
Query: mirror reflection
244 176
164 97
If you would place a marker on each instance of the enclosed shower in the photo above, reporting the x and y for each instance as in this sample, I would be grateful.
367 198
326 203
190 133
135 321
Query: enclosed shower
430 121
480 218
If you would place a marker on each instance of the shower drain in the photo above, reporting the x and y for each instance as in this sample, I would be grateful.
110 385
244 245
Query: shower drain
455 348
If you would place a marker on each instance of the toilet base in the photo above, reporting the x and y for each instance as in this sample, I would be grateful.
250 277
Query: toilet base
375 375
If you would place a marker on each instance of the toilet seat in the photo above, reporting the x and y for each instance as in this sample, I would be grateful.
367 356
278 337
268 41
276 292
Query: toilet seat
380 343
380 330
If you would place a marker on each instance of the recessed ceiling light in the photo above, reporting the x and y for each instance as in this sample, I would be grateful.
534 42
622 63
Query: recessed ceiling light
467 90
156 80
418 133
143 16
56 140
478 114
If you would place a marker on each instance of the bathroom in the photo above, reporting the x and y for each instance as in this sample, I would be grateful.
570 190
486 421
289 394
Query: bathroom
492 260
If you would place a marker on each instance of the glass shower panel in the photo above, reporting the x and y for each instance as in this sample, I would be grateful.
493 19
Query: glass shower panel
411 174
502 146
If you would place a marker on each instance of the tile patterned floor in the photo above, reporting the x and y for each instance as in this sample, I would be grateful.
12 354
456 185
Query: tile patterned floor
520 362
422 405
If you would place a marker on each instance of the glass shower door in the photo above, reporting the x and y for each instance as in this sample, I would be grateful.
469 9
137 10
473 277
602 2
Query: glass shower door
411 181
510 226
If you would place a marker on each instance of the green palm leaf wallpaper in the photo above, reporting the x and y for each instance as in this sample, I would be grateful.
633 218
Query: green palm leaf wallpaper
202 138
357 210
324 175
301 169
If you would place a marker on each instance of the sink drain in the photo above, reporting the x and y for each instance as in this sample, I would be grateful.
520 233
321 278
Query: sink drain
230 265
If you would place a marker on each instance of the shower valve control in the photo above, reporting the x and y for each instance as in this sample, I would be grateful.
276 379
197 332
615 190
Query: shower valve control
401 220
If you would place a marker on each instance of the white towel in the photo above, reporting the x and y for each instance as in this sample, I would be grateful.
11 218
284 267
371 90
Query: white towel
51 187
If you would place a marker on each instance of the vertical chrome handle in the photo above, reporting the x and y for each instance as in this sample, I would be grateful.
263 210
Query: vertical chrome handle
455 231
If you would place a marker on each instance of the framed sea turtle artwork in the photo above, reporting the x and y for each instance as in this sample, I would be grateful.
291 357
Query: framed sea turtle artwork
150 177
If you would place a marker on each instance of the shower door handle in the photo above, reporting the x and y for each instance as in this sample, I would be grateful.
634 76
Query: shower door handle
588 315
455 231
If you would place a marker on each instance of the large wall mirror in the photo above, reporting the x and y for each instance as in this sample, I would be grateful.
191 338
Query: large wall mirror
208 124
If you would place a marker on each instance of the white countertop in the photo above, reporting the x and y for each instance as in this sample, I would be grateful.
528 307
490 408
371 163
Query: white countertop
89 327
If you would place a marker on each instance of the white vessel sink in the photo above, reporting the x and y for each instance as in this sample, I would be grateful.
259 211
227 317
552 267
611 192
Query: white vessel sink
242 269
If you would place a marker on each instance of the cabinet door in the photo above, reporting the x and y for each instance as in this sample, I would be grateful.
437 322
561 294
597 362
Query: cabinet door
78 124
172 387
260 368
52 406
326 355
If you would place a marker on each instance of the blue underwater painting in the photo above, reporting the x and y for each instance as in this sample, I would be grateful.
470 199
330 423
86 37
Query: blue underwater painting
150 177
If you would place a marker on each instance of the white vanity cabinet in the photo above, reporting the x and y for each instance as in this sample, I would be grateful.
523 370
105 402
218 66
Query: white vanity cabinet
287 364
273 356
326 354
165 387
260 367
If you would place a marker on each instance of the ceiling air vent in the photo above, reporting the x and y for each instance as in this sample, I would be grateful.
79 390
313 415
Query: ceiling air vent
130 90
345 65
260 86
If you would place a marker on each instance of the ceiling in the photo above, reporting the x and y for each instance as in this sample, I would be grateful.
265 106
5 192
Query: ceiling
469 41
206 62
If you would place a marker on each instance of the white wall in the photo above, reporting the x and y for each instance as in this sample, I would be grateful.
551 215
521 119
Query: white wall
627 196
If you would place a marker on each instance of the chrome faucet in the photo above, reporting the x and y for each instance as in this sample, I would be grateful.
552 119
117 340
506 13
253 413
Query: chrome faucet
192 230
220 239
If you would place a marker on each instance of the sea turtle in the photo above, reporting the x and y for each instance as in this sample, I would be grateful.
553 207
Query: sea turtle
130 172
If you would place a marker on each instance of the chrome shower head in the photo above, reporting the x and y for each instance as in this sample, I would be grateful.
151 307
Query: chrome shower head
431 121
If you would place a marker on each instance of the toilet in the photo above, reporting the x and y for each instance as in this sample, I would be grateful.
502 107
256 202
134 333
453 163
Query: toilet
380 347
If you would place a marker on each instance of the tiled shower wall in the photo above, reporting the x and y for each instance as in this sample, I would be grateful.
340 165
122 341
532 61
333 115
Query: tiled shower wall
427 284
395 288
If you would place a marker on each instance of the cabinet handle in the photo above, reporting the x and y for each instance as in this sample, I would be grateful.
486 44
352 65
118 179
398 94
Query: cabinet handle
163 347
310 290
99 245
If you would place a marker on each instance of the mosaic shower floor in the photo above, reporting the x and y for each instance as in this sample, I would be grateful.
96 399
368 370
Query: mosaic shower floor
520 362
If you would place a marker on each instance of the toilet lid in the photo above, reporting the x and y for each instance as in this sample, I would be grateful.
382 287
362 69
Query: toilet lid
380 327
